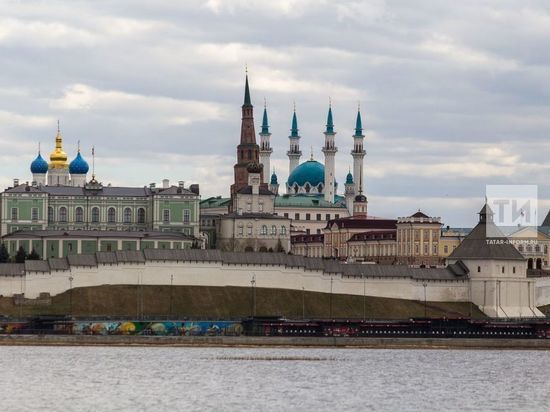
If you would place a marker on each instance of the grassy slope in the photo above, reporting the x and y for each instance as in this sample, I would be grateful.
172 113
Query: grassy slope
230 302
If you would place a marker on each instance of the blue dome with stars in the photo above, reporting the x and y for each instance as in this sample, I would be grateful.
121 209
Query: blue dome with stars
39 165
311 172
78 166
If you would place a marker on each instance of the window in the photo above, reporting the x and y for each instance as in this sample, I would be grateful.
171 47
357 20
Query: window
318 216
264 230
308 231
166 215
286 215
296 216
260 207
95 215
186 216
520 248
514 269
79 215
141 215
336 216
327 216
127 215
14 213
416 249
318 231
283 230
273 230
50 214
249 231
308 216
478 269
34 213
502 270
446 249
434 249
63 214
241 230
425 248
537 248
111 215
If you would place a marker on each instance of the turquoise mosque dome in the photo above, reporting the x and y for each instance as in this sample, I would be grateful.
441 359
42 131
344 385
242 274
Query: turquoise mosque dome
311 172
78 166
39 165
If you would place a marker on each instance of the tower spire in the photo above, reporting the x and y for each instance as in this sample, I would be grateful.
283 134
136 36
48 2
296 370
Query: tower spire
247 101
358 123
330 124
265 123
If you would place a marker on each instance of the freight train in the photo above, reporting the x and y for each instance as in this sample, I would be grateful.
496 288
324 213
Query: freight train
279 326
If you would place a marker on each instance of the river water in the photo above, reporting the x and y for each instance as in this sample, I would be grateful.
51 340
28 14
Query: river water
234 379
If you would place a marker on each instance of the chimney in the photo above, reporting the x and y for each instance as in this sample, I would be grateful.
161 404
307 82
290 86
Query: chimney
15 182
194 188
165 183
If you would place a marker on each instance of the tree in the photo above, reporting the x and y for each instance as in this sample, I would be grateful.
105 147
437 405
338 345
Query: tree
280 247
4 255
33 255
20 255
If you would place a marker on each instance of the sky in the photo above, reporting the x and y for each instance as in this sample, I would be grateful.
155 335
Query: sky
453 95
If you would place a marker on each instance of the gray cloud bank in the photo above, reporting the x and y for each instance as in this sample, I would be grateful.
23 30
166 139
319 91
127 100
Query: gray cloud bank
454 95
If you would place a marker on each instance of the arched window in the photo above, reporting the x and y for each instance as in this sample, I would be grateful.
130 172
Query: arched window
283 230
307 187
111 215
320 187
50 214
264 230
79 215
273 230
95 215
141 215
127 215
537 248
63 214
520 248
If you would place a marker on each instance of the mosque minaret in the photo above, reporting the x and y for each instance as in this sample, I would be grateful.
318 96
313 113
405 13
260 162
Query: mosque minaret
329 149
294 153
265 147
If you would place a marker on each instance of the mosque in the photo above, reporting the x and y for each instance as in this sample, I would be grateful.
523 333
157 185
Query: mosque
310 199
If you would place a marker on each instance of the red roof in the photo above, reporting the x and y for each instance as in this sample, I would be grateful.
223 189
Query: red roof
360 222
374 235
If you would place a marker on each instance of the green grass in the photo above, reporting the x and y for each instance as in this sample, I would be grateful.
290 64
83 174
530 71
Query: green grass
230 302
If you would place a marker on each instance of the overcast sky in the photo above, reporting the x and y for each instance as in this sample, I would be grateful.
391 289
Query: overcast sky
454 95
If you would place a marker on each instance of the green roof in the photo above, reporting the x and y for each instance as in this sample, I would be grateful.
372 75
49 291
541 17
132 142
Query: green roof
214 202
308 201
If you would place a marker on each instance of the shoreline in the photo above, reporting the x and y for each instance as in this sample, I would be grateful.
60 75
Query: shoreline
273 342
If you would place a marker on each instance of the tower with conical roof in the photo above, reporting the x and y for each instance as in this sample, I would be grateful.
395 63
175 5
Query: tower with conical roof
358 153
329 150
58 169
349 192
247 150
265 147
294 153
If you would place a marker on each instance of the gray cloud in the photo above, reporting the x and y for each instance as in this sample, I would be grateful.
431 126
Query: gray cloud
454 95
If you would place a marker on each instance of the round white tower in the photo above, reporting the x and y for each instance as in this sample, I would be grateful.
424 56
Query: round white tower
294 153
265 147
329 149
358 154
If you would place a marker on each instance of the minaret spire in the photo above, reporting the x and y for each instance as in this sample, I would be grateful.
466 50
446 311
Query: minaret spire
265 146
358 153
294 153
329 149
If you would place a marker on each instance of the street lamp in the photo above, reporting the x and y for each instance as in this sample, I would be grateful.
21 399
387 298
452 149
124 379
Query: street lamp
71 295
253 288
425 284
330 298
303 303
364 297
171 288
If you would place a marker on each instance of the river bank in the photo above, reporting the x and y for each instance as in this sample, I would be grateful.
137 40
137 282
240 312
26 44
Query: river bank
270 341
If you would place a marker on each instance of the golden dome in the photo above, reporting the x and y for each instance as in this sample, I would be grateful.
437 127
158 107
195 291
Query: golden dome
58 158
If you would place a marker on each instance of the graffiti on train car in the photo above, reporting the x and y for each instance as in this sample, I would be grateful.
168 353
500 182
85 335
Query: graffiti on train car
160 328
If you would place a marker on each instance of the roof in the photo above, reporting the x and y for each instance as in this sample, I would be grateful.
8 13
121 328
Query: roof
247 190
357 222
237 258
215 202
235 215
40 234
102 191
308 201
420 214
486 241
374 235
546 222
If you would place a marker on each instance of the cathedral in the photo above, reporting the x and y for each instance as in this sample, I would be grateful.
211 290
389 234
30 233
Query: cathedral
310 198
